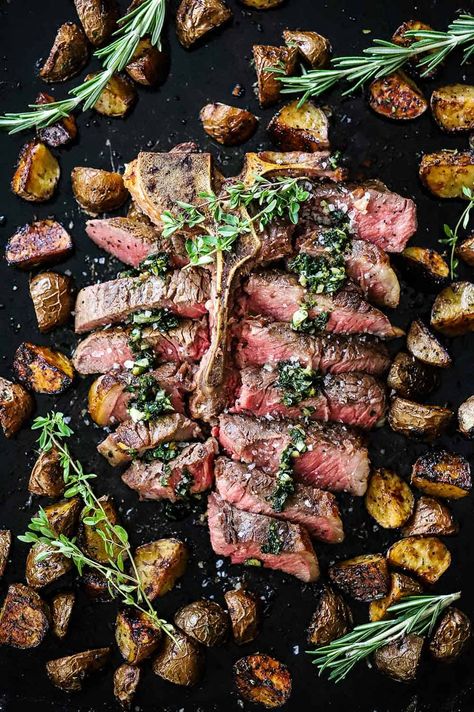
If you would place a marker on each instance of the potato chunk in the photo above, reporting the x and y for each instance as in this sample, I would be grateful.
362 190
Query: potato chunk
42 369
16 406
400 37
38 243
61 610
426 265
423 345
466 251
453 309
159 564
466 417
446 173
126 679
400 586
262 680
267 57
262 4
98 191
53 299
401 658
148 64
300 128
331 619
453 107
244 615
5 544
389 500
228 125
195 18
117 98
430 517
365 577
205 621
98 18
37 173
179 661
24 618
397 97
90 540
451 636
136 637
46 479
60 133
426 557
69 672
415 420
95 586
45 565
314 48
442 474
68 55
410 378
63 516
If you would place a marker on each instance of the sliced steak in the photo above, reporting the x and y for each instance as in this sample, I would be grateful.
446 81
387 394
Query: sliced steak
336 458
248 488
245 535
261 343
191 472
276 239
183 292
279 295
128 240
134 439
355 399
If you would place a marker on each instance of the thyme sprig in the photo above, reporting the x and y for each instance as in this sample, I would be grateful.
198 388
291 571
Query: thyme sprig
452 236
146 19
122 584
414 614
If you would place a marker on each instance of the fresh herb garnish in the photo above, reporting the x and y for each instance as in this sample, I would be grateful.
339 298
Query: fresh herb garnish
157 264
297 382
285 485
164 452
252 562
274 543
155 319
302 323
335 239
149 400
321 274
452 236
160 319
183 487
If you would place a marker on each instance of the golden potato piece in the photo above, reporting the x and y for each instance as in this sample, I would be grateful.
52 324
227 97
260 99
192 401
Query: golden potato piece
16 406
410 378
96 587
100 396
430 517
159 564
5 544
415 420
423 345
42 369
63 516
179 661
98 18
60 133
148 64
98 191
53 299
442 474
117 98
446 173
205 621
399 37
425 264
37 173
453 107
126 679
389 500
426 557
300 128
331 619
244 615
195 18
61 610
453 309
68 55
466 251
137 638
365 577
46 479
228 125
262 4
262 680
312 47
451 636
466 417
24 618
265 58
91 542
397 97
38 243
400 586
69 672
401 658
45 565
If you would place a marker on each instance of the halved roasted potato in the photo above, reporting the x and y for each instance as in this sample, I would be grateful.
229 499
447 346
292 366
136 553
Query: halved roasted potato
397 97
148 64
415 420
262 680
466 251
45 565
5 544
196 19
37 173
42 369
426 557
68 55
300 128
63 516
126 679
53 299
410 378
60 133
331 619
400 659
69 672
400 37
400 586
466 417
442 474
228 125
38 243
205 621
446 173
244 615
61 611
98 191
314 48
137 638
431 517
98 18
46 477
365 577
92 543
453 309
267 58
453 107
24 617
426 347
180 660
389 500
95 586
426 264
262 4
451 636
159 564
117 97
16 406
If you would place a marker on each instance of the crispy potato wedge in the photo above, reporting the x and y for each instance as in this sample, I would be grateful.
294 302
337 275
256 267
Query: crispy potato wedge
466 251
451 636
401 658
148 65
453 309
24 617
262 4
38 243
410 378
365 577
46 479
61 611
400 586
425 264
136 637
179 661
466 417
98 191
117 98
45 565
96 587
244 613
389 500
42 369
397 97
101 394
53 299
98 18
415 420
228 125
262 680
300 128
196 19
426 347
60 133
159 564
16 406
331 619
431 517
126 679
68 55
63 516
426 557
446 173
69 672
399 37
265 57
312 47
5 544
37 173
205 621
90 541
453 107
442 474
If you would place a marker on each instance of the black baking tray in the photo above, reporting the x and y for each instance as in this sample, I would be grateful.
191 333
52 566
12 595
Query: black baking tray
372 147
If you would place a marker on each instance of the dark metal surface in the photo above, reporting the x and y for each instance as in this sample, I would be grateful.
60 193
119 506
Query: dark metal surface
375 148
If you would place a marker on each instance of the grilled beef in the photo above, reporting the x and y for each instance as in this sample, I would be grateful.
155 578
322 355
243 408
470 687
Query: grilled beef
191 472
352 398
128 240
134 439
183 292
244 535
336 458
276 239
261 343
248 488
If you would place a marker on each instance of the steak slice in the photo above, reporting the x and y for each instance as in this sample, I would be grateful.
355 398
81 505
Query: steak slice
183 292
268 343
245 535
336 458
130 241
279 295
355 399
252 490
191 472
276 241
134 439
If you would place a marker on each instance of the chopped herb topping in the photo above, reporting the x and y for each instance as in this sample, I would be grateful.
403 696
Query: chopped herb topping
285 485
252 562
157 319
160 319
297 382
302 323
164 453
274 543
149 400
335 239
157 264
320 275
183 487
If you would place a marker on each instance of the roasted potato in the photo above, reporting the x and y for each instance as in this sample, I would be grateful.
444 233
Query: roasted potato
46 479
453 309
37 173
179 661
159 564
446 173
126 679
90 540
451 636
148 65
16 406
430 517
98 191
426 265
98 18
244 615
96 587
205 621
399 37
415 420
137 638
397 97
300 128
38 243
42 369
426 557
453 107
61 610
365 577
5 544
45 565
423 345
265 58
68 55
466 417
331 619
262 4
410 378
69 672
60 133
24 618
312 47
442 474
63 516
400 586
401 658
389 500
262 680
195 18
53 299
466 251
228 125
117 98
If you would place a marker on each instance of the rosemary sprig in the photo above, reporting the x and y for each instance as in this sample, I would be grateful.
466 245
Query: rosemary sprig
126 586
416 614
452 236
146 19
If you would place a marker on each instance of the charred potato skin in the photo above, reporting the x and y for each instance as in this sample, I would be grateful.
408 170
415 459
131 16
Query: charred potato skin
389 500
331 619
205 621
426 557
400 586
60 133
98 191
69 672
397 97
228 125
262 680
430 518
265 57
423 345
466 417
126 679
446 173
98 18
16 406
179 661
442 474
63 516
24 618
117 97
53 299
46 479
410 378
61 611
68 55
365 577
95 586
466 251
415 420
453 309
399 37
5 544
37 243
41 572
42 369
91 542
453 107
37 173
426 265
148 64
136 638
244 615
451 636
159 564
196 19
312 47
400 660
303 128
